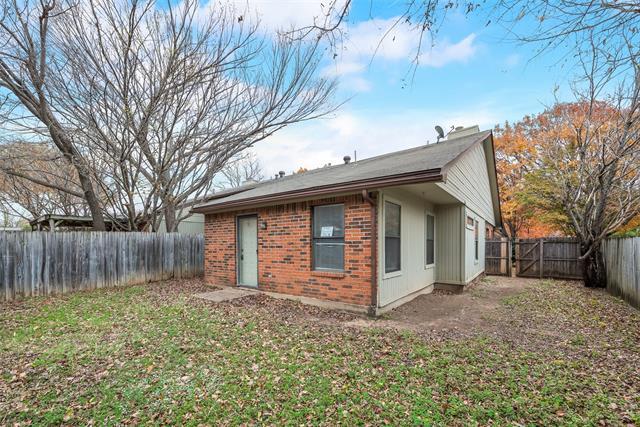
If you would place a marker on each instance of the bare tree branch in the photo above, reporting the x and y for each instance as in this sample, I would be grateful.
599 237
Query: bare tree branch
25 59
165 98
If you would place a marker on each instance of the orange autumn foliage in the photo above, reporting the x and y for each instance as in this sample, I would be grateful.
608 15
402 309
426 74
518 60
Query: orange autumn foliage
537 156
515 158
632 225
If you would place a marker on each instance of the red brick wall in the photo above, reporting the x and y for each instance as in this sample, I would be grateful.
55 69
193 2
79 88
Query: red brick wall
285 251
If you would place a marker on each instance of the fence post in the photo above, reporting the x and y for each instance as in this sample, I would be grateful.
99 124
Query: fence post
541 257
45 262
516 249
509 253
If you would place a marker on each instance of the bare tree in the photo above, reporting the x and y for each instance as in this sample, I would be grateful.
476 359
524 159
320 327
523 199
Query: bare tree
244 168
51 186
608 25
424 17
5 218
588 166
173 96
25 58
548 24
148 104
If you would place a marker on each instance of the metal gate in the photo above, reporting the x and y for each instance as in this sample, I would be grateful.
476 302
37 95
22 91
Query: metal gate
556 258
498 257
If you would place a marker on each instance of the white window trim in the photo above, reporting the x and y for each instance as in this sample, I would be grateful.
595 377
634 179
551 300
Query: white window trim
397 273
469 227
429 266
476 224
344 239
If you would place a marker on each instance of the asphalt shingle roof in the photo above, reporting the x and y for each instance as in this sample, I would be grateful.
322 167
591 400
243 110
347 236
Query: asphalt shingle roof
423 158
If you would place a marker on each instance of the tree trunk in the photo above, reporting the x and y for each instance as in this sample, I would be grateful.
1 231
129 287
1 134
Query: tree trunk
93 202
65 145
170 217
593 268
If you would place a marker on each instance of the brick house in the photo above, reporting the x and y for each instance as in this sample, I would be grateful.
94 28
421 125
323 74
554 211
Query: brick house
368 235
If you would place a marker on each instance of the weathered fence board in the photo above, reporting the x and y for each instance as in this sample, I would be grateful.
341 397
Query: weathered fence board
45 263
548 257
498 257
622 260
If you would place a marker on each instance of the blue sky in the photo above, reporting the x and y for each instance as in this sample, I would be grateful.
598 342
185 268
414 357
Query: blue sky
473 74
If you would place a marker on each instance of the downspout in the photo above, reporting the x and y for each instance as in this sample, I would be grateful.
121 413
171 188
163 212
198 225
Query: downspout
374 251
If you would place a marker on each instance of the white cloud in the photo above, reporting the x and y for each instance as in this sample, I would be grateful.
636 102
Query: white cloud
384 38
512 60
276 14
446 52
341 68
392 41
350 73
358 84
364 43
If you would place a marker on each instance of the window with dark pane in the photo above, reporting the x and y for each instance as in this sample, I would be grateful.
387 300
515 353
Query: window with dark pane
430 239
328 237
391 237
477 236
470 221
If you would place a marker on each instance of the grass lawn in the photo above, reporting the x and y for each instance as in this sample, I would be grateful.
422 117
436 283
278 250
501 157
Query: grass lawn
554 354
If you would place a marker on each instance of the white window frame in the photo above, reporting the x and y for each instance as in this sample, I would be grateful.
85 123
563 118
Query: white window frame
428 266
466 221
397 273
476 241
313 239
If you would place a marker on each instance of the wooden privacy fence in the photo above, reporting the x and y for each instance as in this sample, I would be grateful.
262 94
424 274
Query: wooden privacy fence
558 258
548 257
44 263
498 257
622 260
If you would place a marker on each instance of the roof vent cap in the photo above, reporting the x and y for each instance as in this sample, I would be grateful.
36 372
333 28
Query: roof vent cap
347 159
282 174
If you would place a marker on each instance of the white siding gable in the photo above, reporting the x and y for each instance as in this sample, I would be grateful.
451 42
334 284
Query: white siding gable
468 181
472 267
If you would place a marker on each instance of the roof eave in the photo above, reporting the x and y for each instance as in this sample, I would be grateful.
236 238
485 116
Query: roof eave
431 175
494 179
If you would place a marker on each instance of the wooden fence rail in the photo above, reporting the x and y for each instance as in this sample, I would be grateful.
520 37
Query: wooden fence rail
622 260
549 257
45 263
498 257
559 258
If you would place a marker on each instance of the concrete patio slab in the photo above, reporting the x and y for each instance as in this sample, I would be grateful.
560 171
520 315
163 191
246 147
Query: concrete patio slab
225 294
231 293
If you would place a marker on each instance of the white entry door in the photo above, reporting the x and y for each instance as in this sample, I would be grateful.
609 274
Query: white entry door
248 251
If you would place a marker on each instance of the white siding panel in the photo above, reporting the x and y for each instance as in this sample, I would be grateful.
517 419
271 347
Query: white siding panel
194 224
468 181
473 267
414 275
449 244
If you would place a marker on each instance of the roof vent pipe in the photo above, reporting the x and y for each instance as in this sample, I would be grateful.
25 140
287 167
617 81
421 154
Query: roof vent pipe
281 173
347 159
